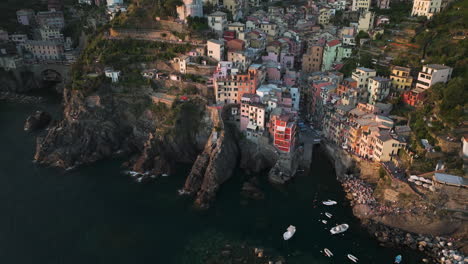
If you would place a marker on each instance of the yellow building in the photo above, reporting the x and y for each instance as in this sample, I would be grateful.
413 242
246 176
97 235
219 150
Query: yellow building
401 78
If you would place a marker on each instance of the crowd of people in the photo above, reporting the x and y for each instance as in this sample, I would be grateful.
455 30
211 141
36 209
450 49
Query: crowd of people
362 192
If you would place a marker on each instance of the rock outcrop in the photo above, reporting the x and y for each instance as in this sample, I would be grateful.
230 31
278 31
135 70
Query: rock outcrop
38 120
214 165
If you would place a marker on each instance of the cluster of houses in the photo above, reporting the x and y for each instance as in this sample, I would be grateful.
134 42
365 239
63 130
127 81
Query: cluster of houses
352 111
44 41
279 60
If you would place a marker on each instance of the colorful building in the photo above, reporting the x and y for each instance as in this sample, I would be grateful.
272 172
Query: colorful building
401 78
432 74
283 130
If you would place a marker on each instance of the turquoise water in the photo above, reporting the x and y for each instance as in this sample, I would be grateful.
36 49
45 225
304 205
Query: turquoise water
97 215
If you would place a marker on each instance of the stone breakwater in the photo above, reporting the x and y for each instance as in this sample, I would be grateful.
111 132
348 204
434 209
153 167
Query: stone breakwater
19 98
440 249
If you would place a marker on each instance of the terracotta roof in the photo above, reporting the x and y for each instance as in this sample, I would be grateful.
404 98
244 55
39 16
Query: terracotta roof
332 43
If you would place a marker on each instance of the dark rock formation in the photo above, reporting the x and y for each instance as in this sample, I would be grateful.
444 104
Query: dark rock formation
214 165
38 120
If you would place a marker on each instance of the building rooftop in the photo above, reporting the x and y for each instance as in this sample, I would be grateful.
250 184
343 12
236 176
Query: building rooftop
400 68
380 79
333 43
450 179
437 66
219 42
365 69
217 13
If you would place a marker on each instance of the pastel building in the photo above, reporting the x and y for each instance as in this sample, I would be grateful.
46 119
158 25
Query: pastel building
428 8
378 88
25 16
401 78
312 59
361 5
44 50
215 49
192 8
52 19
217 21
252 113
283 128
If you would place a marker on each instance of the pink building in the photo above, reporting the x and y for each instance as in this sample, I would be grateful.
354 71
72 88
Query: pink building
273 72
272 56
287 61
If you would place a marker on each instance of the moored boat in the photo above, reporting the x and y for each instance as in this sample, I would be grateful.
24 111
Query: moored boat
289 233
328 215
398 259
353 258
324 221
327 252
329 202
339 229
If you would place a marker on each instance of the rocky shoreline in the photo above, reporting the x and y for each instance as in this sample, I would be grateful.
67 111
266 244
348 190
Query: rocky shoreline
439 249
19 98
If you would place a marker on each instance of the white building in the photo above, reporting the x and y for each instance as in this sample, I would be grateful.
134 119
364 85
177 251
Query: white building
114 2
51 34
217 21
361 5
366 21
215 49
295 97
427 8
192 8
378 88
111 73
182 62
25 16
361 75
432 74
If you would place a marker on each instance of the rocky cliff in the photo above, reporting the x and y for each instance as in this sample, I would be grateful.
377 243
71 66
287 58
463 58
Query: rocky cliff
215 164
155 137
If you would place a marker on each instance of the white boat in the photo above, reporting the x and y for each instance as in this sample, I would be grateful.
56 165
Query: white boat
153 176
289 233
328 253
329 202
132 173
353 258
324 221
140 179
164 175
339 229
328 215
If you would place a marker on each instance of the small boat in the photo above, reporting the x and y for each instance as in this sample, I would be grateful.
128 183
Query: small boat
329 202
289 233
140 179
353 258
324 221
398 259
153 176
339 229
328 215
164 175
328 253
132 173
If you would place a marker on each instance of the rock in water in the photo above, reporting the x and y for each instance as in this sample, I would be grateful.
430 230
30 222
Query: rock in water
38 120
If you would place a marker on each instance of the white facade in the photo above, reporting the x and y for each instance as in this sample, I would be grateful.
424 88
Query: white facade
361 5
51 34
366 21
114 2
217 21
192 8
215 49
427 8
432 74
25 16
295 97
379 89
111 73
